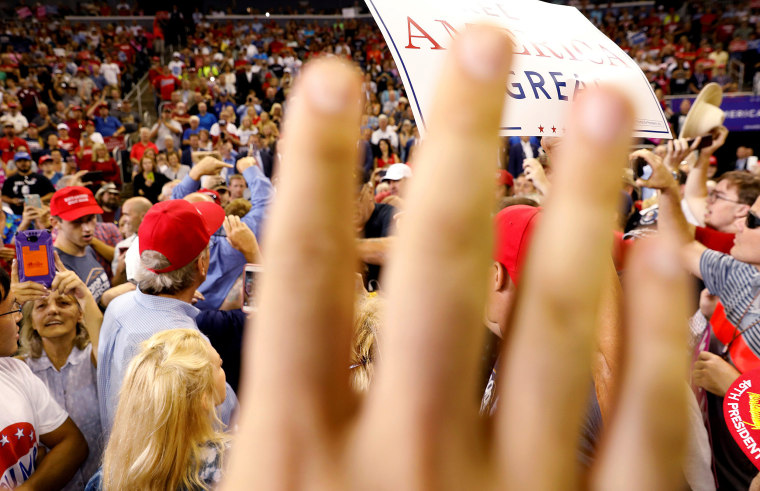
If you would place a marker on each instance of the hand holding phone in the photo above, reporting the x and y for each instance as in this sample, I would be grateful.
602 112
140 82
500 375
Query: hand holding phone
34 257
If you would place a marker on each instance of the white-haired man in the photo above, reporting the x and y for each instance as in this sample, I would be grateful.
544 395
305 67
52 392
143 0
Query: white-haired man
174 259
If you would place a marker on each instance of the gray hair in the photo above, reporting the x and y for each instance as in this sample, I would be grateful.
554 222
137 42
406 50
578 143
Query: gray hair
169 283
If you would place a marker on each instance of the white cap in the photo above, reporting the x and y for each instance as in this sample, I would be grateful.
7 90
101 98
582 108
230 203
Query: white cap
396 172
176 54
63 126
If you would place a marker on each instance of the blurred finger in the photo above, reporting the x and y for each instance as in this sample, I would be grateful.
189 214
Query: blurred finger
432 317
59 266
644 444
571 246
298 368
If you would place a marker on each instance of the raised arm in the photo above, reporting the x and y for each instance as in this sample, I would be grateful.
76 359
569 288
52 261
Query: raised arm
67 282
191 183
671 220
695 192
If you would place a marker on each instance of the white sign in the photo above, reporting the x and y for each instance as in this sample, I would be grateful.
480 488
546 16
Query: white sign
558 53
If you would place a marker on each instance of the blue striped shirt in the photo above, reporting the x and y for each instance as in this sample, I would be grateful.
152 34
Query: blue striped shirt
129 320
737 284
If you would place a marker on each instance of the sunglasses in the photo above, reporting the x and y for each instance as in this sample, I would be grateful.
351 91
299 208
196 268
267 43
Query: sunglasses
753 221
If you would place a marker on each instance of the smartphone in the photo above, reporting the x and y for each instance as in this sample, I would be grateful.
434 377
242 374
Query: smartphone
34 256
250 280
33 200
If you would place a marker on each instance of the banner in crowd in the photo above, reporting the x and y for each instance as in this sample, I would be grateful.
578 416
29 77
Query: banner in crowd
558 53
742 111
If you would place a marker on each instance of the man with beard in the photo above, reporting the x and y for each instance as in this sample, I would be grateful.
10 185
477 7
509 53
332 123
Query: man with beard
25 182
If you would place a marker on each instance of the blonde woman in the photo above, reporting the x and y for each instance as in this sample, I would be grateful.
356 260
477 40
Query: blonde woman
364 345
103 161
165 435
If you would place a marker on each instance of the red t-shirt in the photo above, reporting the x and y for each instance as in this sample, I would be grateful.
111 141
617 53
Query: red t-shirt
9 147
715 240
166 84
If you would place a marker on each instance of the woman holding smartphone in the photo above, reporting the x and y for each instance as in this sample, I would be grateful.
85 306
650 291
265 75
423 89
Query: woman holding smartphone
60 328
149 181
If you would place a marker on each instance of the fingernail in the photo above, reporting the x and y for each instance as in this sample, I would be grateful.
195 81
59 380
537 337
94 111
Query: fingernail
329 91
603 116
482 51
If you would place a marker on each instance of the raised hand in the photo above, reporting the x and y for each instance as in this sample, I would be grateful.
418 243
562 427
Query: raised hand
419 427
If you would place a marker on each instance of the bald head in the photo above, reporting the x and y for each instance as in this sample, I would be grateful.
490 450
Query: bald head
133 210
198 197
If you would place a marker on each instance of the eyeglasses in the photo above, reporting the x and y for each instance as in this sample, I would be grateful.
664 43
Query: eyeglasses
713 196
16 309
753 221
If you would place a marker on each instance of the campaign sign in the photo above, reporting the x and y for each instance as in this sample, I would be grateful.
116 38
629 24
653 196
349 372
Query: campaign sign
741 409
742 111
557 54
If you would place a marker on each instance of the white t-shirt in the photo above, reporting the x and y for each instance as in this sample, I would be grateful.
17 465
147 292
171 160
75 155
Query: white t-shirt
27 410
110 72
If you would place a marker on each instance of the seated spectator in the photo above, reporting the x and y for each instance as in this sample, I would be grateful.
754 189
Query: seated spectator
102 161
59 342
27 408
65 141
194 122
108 199
174 259
73 211
166 127
34 142
384 131
107 125
10 143
148 181
386 155
166 419
135 155
193 146
173 168
128 116
206 119
46 166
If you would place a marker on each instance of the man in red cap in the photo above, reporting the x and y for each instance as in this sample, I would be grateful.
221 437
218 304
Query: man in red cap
174 259
74 211
513 228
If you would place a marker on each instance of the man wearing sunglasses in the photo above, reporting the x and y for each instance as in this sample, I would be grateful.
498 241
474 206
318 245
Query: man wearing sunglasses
735 279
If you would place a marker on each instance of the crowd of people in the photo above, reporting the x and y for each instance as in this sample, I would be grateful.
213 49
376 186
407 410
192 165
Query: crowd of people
123 372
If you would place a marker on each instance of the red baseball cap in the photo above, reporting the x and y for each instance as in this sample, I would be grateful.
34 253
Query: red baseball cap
211 194
504 178
513 228
179 230
73 202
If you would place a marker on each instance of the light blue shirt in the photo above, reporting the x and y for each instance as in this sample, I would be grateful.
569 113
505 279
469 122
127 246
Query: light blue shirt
227 263
74 388
129 320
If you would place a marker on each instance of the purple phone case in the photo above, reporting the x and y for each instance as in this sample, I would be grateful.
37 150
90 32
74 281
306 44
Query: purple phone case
34 239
